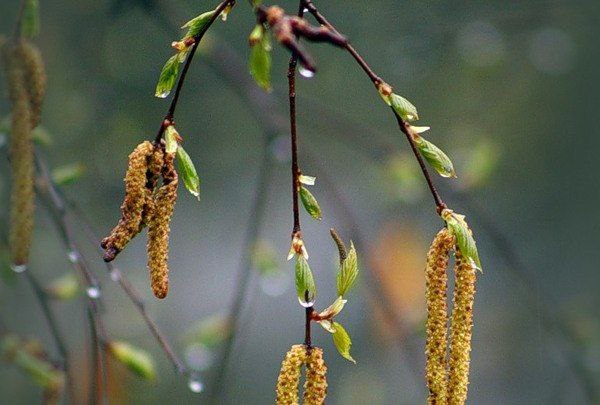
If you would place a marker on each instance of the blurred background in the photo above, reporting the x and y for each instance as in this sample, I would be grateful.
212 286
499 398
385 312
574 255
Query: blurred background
511 91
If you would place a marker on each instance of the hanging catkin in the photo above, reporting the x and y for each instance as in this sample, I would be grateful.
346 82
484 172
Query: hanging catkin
155 164
315 385
35 77
133 205
21 158
159 228
460 329
289 375
437 316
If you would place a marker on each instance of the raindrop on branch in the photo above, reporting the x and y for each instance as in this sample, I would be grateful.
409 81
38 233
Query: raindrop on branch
18 268
93 292
304 72
195 385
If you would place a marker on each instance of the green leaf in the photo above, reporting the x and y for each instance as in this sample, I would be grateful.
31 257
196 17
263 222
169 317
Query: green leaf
171 139
198 24
305 282
342 341
334 309
264 258
348 272
403 107
310 203
435 157
464 237
260 61
210 331
30 23
135 359
64 287
168 75
68 174
188 172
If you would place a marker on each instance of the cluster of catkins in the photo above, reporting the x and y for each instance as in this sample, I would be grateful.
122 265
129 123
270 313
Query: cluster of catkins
448 373
315 385
147 204
26 82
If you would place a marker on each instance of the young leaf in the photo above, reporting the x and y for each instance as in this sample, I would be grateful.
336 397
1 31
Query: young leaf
68 174
136 360
172 138
260 61
464 237
168 75
64 287
403 107
30 23
305 282
334 309
210 331
436 157
188 172
348 272
196 25
310 203
342 341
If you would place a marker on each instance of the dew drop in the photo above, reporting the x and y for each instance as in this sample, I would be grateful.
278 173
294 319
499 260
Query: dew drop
305 10
195 385
73 256
164 94
306 304
304 72
18 268
93 292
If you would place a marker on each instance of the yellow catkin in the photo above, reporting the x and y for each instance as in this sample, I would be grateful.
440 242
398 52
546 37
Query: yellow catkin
35 77
460 329
289 375
133 204
159 229
315 385
437 316
21 160
155 164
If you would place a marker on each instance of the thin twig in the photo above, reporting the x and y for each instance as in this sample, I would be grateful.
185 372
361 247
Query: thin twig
169 117
240 291
134 296
377 81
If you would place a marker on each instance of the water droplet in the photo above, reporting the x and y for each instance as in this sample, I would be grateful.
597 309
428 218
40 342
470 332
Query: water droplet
18 268
164 94
195 385
93 292
305 10
115 275
304 72
306 304
73 256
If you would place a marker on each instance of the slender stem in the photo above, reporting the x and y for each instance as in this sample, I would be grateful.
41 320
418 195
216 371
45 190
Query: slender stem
133 295
244 274
377 81
168 120
406 131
